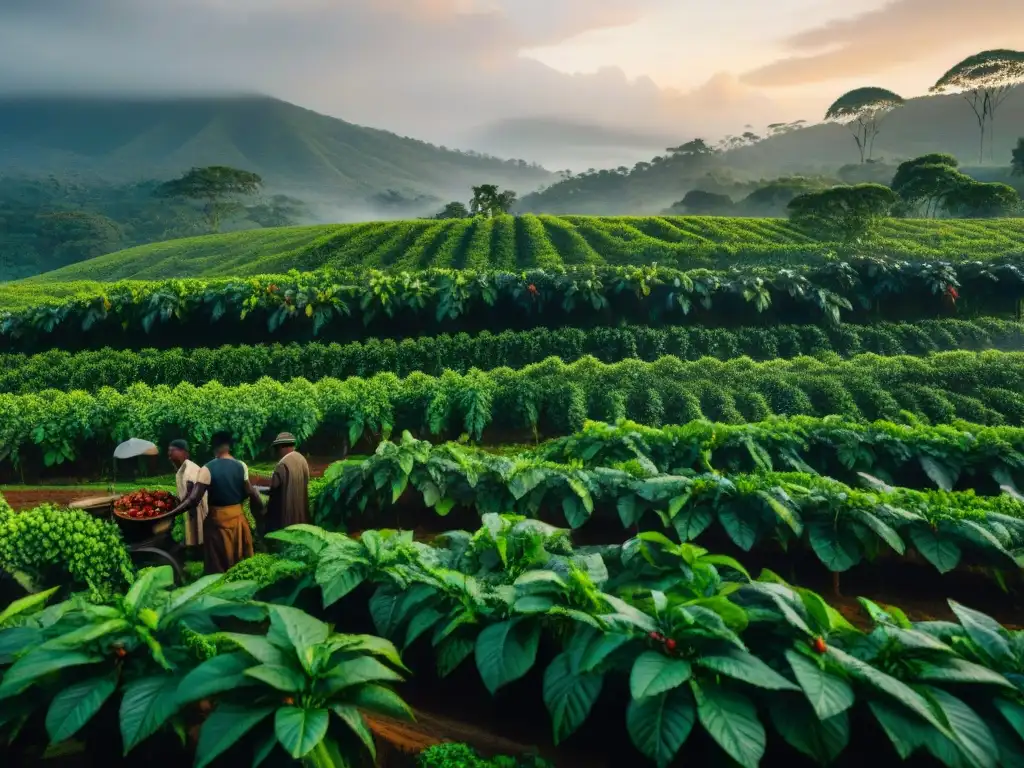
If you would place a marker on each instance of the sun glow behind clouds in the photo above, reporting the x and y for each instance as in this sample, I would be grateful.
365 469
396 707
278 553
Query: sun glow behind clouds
682 45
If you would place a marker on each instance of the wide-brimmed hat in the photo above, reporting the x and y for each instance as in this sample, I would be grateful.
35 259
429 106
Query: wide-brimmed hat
285 438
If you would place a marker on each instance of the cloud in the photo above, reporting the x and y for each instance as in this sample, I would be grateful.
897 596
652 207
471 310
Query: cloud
434 69
899 33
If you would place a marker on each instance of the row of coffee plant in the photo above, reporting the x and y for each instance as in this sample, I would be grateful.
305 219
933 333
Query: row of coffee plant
843 526
683 642
232 365
945 457
551 398
121 675
301 305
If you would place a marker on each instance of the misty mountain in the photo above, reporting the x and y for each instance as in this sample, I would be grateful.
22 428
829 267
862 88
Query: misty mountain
125 139
926 124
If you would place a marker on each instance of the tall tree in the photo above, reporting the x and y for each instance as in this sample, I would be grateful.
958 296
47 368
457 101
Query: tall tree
862 110
217 187
846 212
984 80
454 210
1017 163
489 202
925 183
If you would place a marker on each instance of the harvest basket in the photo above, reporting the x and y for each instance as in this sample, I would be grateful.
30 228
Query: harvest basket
145 528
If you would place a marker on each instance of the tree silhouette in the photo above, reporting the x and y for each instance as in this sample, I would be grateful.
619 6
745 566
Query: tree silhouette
862 110
217 187
489 202
984 80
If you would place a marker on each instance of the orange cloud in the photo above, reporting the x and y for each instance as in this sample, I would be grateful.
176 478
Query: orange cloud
901 32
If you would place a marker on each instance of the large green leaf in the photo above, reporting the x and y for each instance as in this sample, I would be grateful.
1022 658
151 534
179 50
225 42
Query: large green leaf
224 728
954 670
338 576
654 673
292 628
692 521
146 705
299 730
888 685
972 734
216 675
506 651
37 664
731 720
935 547
278 676
451 652
940 474
258 647
16 640
589 647
822 740
906 731
836 547
378 700
84 635
985 631
353 718
1014 714
741 523
74 706
423 621
358 671
659 725
881 529
25 604
828 695
149 580
746 667
569 697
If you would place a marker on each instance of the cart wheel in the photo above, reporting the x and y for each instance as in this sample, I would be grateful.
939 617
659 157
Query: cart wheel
145 557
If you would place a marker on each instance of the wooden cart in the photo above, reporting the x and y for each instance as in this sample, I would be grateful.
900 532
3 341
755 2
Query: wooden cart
149 541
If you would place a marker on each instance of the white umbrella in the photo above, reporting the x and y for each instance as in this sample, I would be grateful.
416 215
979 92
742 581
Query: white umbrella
135 447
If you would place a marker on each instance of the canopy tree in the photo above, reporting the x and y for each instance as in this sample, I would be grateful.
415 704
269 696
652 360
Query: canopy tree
862 110
489 202
978 200
925 183
1017 163
217 187
984 80
846 212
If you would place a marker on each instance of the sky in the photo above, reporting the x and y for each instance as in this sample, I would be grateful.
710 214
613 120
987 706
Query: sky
446 70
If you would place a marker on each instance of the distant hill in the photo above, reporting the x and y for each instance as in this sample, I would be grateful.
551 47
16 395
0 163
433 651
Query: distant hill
521 242
294 149
925 124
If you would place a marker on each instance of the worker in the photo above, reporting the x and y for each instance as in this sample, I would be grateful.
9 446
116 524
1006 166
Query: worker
289 486
185 477
227 538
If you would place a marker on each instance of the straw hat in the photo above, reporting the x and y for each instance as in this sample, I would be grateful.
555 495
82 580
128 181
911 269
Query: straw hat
285 438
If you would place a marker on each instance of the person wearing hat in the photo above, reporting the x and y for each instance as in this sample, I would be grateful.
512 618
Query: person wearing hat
186 476
289 486
227 538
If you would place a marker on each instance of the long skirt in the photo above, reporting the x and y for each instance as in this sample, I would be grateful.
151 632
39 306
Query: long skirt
226 538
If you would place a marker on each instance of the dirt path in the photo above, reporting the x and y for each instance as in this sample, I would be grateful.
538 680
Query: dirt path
428 730
22 500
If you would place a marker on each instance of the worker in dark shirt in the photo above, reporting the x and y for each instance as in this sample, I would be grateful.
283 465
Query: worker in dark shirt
226 535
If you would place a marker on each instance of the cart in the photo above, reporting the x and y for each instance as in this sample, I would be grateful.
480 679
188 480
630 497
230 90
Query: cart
149 541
